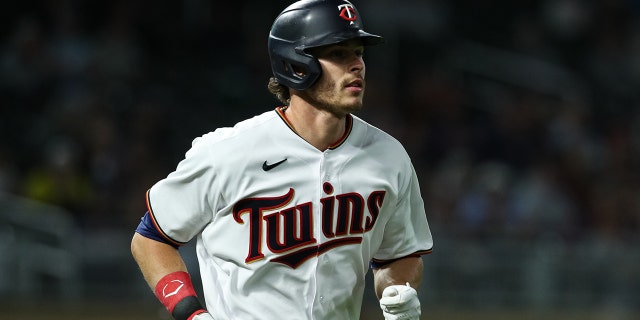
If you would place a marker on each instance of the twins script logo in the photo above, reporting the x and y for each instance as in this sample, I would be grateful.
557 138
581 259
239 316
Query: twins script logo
289 230
348 12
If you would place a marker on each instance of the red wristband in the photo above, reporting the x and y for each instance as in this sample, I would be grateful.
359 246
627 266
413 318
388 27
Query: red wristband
174 288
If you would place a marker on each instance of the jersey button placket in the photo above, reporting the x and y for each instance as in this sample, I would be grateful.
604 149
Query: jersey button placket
323 176
324 172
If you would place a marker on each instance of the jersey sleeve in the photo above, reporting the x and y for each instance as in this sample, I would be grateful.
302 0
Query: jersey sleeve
407 233
180 205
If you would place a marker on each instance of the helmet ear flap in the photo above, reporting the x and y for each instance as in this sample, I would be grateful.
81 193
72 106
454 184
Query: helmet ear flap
297 71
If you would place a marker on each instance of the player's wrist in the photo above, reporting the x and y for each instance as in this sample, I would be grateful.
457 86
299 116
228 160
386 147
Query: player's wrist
175 291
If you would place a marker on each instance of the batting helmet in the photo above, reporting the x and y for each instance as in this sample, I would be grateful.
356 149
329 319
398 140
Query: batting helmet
309 24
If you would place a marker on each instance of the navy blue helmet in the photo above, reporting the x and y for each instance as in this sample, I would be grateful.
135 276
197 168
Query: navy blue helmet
309 24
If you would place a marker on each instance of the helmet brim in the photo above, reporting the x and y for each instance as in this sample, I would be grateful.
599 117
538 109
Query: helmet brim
368 39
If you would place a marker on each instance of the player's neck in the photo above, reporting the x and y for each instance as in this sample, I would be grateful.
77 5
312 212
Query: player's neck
318 127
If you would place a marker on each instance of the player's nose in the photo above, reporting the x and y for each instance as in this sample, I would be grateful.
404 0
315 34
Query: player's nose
356 65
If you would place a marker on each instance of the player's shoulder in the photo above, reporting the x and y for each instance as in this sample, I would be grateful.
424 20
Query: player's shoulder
372 129
245 129
370 134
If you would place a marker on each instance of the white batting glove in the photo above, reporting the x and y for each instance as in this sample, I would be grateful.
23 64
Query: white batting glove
400 303
203 316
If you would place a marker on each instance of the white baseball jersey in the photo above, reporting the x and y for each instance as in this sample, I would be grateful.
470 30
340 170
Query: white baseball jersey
284 230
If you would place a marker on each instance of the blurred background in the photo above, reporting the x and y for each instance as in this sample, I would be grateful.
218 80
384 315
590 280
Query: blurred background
522 119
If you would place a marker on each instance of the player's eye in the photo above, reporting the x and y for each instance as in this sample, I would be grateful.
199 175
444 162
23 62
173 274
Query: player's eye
338 54
343 53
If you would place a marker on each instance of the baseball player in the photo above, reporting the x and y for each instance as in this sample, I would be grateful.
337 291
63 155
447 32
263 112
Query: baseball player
291 208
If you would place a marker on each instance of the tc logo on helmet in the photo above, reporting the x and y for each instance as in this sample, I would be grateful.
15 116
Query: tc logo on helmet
347 12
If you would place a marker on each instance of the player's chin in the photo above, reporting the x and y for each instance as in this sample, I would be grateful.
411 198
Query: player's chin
344 108
354 98
353 107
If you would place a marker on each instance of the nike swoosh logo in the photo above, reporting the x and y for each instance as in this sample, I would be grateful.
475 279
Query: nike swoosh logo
267 167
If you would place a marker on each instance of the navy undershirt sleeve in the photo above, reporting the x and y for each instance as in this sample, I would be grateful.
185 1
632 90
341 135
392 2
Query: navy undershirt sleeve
147 229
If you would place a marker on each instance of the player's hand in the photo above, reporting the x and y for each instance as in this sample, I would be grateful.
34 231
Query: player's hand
400 303
203 316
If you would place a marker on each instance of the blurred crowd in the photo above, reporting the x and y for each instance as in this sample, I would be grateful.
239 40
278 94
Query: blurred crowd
101 99
522 117
526 121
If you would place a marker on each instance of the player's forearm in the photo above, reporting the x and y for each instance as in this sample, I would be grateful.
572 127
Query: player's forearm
398 272
155 259
166 273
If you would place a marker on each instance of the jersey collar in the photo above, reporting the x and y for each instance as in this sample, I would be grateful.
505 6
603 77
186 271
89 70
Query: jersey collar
347 131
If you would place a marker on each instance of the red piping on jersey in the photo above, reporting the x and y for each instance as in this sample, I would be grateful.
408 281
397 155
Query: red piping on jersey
347 131
415 254
157 226
280 111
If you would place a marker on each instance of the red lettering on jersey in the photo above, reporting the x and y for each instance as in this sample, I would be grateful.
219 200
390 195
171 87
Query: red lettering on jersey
327 216
255 207
350 214
289 231
374 203
290 228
